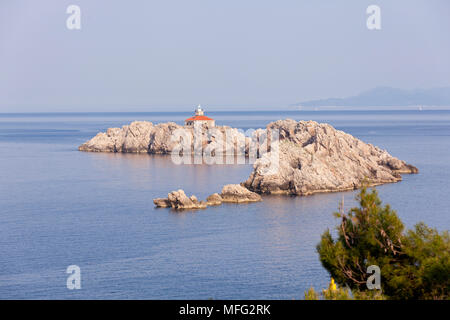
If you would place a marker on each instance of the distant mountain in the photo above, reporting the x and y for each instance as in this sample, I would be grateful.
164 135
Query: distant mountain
386 96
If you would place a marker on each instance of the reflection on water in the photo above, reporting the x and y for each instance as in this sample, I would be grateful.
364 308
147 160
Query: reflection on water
61 207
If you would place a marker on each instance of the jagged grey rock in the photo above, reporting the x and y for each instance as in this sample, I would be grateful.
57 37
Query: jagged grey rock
144 136
130 138
315 157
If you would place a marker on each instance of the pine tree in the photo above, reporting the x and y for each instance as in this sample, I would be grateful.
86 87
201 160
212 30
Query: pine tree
413 264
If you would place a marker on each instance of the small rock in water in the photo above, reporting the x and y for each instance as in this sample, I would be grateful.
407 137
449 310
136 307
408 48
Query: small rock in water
214 200
238 193
161 202
179 200
230 193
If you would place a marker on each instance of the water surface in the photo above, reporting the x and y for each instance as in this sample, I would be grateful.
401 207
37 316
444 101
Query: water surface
59 207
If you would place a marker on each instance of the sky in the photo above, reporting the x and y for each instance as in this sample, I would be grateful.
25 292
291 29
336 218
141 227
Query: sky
147 55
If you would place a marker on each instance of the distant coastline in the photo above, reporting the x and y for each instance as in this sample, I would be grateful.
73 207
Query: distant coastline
283 111
387 97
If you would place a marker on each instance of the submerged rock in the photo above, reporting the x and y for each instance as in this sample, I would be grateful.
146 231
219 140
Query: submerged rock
238 193
316 158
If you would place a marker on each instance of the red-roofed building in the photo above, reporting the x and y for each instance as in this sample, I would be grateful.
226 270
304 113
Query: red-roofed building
199 119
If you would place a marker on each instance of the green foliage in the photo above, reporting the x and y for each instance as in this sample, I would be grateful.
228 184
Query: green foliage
428 271
338 294
414 265
368 295
311 294
343 294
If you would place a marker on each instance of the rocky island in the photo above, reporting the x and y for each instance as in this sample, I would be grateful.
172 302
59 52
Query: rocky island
230 193
312 158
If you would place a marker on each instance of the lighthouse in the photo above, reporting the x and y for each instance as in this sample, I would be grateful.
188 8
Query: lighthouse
199 119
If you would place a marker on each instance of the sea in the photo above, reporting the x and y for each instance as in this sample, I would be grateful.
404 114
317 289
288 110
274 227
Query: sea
60 207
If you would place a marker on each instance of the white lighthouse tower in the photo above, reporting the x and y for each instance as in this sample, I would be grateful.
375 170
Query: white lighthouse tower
199 111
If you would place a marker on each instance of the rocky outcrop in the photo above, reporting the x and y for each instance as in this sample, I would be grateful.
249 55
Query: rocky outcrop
163 138
230 193
214 200
162 202
130 138
160 141
238 193
179 200
317 158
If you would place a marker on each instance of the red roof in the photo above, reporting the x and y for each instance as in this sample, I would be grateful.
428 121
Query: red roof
195 118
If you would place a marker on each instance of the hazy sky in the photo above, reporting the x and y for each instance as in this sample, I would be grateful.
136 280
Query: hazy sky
145 55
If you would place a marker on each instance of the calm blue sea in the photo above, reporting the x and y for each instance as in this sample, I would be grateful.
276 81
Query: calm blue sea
61 207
